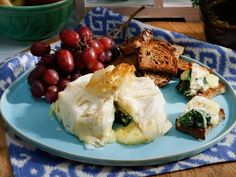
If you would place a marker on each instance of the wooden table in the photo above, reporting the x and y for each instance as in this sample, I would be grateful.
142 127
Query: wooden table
194 30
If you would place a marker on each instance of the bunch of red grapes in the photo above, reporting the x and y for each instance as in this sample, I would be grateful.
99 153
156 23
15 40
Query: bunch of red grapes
80 53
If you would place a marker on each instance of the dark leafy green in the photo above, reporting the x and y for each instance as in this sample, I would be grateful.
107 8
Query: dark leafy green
184 87
194 118
121 117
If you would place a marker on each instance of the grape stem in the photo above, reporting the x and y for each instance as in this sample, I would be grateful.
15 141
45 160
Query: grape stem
125 25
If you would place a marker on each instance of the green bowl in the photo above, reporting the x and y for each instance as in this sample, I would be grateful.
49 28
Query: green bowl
31 23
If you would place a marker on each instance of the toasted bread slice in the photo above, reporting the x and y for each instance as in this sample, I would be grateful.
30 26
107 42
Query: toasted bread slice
212 92
199 133
158 56
160 79
131 45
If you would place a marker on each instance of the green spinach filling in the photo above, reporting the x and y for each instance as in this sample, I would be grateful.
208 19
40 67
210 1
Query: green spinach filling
195 119
121 117
184 85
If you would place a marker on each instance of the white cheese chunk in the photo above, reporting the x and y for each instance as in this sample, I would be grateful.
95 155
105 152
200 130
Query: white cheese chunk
201 79
197 79
212 80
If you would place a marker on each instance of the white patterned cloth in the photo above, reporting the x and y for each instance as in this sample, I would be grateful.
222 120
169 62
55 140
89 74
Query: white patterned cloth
28 161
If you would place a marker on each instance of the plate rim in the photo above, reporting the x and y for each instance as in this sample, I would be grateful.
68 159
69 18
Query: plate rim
109 162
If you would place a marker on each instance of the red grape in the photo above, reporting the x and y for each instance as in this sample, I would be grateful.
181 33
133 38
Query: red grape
40 49
51 77
115 52
78 60
109 55
67 77
85 33
65 60
96 44
37 74
48 60
107 42
62 84
75 76
97 66
38 89
89 57
70 38
102 57
105 57
51 94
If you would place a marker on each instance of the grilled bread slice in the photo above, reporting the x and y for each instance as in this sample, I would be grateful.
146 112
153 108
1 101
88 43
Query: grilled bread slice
131 45
158 56
211 112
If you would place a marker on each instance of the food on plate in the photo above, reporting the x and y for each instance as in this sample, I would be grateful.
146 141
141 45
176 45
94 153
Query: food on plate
80 53
89 106
134 51
199 81
160 80
158 56
199 117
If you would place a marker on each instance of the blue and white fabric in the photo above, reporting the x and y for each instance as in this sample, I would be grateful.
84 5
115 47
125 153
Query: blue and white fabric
28 161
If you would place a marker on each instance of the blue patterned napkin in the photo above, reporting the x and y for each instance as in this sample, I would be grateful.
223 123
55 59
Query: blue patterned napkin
28 161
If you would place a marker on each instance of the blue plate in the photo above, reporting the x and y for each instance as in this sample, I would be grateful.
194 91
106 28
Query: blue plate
31 120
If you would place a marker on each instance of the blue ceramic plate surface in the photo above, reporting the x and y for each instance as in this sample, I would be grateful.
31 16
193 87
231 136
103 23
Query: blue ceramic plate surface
31 120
